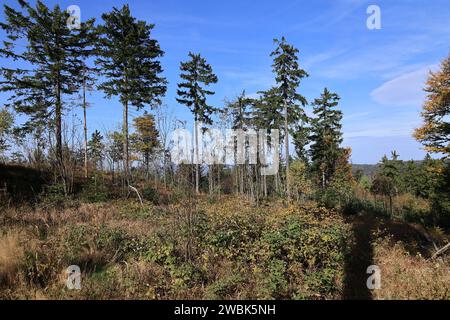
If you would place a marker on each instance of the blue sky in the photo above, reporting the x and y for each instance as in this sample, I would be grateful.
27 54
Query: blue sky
378 73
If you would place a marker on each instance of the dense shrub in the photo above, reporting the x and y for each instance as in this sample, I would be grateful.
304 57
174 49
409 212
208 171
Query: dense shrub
151 194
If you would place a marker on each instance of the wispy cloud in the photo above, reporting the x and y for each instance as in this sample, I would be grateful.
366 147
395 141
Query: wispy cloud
334 13
379 59
404 90
321 57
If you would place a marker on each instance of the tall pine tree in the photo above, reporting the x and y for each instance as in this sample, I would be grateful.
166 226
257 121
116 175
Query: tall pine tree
128 58
197 75
52 53
288 77
326 136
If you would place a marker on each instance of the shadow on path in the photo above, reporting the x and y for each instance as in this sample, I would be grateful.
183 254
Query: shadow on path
358 258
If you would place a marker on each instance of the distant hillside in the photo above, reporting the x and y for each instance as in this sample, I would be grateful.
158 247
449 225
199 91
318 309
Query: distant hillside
367 169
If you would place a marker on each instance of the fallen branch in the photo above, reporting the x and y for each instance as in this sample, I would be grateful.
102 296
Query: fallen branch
139 195
441 250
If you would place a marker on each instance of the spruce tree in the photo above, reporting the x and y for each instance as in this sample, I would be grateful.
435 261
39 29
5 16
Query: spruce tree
128 58
53 54
390 170
96 148
268 110
240 111
196 75
288 77
326 136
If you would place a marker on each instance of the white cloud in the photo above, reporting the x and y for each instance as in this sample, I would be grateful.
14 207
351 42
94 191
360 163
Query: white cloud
321 57
404 90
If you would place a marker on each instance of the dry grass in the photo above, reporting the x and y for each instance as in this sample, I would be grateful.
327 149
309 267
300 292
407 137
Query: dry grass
406 276
11 257
37 245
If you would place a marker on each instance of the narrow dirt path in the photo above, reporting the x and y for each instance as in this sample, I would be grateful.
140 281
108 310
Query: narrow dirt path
359 258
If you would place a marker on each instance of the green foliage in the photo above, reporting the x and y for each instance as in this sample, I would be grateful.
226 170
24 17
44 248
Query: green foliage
239 111
326 136
288 76
134 211
151 194
145 139
52 196
275 284
115 147
93 191
163 249
316 250
39 268
108 244
233 236
96 147
301 184
128 59
360 206
224 287
328 197
195 73
54 55
365 183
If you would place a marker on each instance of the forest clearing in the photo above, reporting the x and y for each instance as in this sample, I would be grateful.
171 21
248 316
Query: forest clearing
121 180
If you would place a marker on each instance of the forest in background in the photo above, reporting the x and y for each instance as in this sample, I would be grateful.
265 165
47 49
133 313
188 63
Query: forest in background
141 226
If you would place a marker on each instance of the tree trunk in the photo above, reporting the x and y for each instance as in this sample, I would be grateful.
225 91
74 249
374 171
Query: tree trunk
286 146
165 169
58 124
147 168
125 142
197 160
86 173
210 178
236 178
113 176
390 205
241 172
265 185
